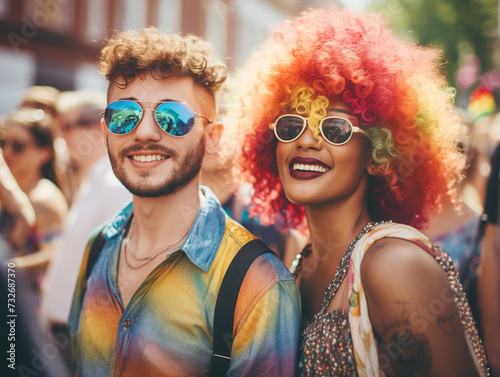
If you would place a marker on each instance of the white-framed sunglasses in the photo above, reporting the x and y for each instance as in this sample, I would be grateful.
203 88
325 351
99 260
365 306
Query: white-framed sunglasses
335 130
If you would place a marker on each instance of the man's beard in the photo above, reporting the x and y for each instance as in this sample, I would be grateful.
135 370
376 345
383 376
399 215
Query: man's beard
184 171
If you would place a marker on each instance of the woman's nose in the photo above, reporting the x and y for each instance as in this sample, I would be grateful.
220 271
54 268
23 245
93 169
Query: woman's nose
308 141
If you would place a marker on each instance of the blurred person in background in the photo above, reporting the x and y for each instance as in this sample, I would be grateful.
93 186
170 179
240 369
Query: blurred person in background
482 187
32 352
30 222
43 98
28 149
16 203
484 110
99 196
455 228
489 267
218 172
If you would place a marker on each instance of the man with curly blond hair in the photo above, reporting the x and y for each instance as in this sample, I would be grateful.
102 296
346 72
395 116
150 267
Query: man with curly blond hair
147 308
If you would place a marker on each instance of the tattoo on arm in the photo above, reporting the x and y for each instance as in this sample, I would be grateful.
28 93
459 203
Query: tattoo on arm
415 354
410 351
447 324
403 320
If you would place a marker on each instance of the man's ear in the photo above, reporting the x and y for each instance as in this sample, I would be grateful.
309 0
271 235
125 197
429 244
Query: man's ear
213 134
103 126
104 133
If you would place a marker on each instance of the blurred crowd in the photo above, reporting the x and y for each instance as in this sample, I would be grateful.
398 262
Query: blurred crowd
57 185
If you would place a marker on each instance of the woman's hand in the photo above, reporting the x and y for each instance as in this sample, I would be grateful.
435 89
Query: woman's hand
17 203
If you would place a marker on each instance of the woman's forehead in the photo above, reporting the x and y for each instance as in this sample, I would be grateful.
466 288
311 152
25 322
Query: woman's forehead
339 104
16 129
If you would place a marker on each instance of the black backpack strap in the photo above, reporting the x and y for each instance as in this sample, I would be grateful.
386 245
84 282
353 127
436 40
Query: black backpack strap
97 246
89 259
95 250
226 303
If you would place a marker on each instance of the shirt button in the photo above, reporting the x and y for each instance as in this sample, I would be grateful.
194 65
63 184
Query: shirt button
126 323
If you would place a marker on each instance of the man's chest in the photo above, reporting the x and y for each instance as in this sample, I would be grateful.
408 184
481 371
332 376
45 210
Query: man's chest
131 274
165 321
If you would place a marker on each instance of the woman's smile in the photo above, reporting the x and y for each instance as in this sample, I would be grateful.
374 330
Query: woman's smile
307 168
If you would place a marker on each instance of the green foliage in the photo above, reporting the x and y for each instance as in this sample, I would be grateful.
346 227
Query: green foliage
457 27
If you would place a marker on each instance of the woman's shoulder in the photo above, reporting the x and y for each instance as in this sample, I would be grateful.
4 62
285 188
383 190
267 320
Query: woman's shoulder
392 252
47 198
392 263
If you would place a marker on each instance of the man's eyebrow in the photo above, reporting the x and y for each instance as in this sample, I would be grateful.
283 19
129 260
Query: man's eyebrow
169 100
137 100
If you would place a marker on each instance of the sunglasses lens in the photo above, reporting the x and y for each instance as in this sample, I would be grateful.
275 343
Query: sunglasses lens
336 130
176 119
289 127
121 117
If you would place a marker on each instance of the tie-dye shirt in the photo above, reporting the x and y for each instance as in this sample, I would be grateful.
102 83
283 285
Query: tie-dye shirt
166 329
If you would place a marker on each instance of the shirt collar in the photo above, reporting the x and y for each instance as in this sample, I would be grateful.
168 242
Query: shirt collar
204 238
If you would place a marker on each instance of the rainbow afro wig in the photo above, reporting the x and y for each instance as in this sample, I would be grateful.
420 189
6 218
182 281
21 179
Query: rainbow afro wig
395 89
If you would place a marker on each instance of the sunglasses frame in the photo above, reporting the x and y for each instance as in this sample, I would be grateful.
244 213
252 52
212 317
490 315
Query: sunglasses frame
195 115
305 124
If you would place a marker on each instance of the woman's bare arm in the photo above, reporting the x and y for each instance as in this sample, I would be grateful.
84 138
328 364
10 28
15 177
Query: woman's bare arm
413 313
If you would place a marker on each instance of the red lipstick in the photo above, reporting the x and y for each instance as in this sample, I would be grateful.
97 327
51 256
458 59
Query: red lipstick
307 168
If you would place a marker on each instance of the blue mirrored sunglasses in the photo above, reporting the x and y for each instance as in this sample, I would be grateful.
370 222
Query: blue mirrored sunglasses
175 118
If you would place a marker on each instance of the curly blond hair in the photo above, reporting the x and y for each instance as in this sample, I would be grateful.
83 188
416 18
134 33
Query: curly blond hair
166 54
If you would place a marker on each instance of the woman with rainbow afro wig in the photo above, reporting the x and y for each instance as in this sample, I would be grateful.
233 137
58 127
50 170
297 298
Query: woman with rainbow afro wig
349 134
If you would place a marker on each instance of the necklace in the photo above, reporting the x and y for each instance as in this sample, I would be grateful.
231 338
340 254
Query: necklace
149 259
342 268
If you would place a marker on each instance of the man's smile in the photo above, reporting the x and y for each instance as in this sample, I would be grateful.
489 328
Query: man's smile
148 157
